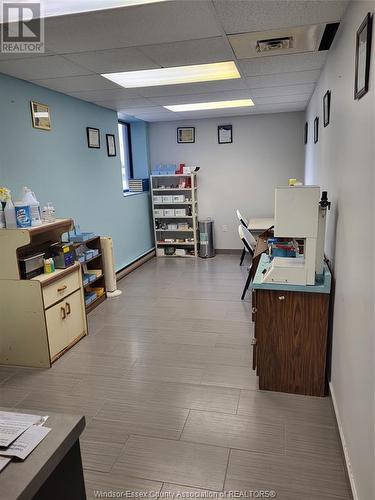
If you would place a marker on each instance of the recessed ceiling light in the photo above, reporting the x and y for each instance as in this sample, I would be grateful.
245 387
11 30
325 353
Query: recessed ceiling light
239 103
54 8
174 76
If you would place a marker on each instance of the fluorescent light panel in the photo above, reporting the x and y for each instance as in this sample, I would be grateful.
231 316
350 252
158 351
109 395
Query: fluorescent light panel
239 103
175 76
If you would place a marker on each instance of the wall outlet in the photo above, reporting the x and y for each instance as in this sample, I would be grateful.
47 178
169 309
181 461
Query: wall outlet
224 227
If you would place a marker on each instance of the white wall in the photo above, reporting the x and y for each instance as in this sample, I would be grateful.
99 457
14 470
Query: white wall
267 150
343 163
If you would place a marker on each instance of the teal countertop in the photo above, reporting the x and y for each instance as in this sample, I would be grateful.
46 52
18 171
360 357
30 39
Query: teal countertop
322 285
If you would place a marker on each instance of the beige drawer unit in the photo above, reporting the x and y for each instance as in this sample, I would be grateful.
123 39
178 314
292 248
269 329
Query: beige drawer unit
62 287
43 317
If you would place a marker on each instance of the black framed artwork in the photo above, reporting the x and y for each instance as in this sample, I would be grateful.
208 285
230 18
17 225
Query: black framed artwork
316 129
362 57
111 144
326 108
306 133
93 137
185 135
225 134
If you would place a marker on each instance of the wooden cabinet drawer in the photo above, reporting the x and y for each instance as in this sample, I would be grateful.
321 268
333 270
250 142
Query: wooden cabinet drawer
76 316
59 289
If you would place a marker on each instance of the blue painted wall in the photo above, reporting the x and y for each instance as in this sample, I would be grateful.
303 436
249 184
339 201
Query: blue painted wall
83 183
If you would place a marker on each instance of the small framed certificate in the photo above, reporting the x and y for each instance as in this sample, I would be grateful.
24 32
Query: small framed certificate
224 134
93 137
185 135
111 145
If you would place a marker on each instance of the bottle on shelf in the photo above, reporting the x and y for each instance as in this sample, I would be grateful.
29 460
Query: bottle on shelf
30 200
10 214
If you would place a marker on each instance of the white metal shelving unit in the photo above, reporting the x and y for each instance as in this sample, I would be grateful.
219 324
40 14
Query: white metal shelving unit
172 185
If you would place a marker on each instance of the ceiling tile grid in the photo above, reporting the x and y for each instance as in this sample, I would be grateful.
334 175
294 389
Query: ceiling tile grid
80 47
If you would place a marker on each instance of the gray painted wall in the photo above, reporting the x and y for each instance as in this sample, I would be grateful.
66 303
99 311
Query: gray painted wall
343 163
267 150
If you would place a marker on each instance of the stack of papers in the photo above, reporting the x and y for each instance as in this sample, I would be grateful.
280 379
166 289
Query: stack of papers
20 434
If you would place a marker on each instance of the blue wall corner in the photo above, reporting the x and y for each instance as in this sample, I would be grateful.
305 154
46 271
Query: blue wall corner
83 183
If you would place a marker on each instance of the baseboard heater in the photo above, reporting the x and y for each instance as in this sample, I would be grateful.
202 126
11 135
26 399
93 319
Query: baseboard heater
135 264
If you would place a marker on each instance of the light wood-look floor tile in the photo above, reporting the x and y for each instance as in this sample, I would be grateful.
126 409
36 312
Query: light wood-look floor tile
234 431
117 483
240 377
179 491
166 373
165 460
99 456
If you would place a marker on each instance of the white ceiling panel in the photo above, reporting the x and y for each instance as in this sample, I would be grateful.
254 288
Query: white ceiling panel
303 98
128 104
193 88
305 88
189 52
113 60
283 63
208 97
105 95
75 83
283 79
41 67
239 16
130 26
4 56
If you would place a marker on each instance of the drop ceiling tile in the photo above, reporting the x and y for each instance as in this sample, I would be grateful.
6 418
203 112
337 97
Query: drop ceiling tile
189 52
208 97
193 88
288 99
283 90
130 104
13 57
112 60
75 83
283 63
41 67
163 22
238 16
283 79
105 94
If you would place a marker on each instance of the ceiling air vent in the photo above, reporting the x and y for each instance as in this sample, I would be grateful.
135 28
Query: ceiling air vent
274 44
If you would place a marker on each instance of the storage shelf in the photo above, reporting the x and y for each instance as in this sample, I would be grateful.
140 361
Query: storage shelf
179 256
175 203
173 189
185 243
173 175
95 303
176 230
93 281
173 216
92 258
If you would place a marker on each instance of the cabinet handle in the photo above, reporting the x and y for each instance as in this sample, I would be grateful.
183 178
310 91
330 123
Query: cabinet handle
67 305
281 297
63 312
253 341
62 288
254 310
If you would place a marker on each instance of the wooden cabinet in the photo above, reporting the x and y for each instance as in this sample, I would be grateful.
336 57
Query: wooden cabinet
42 317
290 342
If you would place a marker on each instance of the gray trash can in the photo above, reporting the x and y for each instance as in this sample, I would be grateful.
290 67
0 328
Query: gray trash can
206 237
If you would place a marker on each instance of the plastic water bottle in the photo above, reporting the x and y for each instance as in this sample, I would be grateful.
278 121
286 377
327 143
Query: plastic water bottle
10 214
30 200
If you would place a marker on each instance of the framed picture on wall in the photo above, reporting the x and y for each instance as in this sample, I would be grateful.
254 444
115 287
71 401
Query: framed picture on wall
326 108
224 134
306 133
185 135
316 130
362 57
93 137
111 144
40 115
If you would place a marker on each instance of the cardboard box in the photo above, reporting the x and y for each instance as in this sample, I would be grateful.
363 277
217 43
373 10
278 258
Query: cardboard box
179 198
167 199
180 251
159 212
172 227
169 212
181 212
158 199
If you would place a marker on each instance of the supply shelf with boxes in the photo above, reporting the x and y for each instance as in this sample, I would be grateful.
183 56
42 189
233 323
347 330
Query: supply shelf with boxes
175 214
42 314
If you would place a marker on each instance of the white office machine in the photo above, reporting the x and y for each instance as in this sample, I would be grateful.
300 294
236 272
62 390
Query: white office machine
299 214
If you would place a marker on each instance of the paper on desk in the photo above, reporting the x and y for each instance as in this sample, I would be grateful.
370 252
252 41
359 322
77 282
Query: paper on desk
4 462
12 425
26 443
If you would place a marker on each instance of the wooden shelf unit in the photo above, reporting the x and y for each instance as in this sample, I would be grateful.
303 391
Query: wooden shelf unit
94 263
169 185
41 318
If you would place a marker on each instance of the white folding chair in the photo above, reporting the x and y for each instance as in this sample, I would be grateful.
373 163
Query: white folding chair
249 243
244 223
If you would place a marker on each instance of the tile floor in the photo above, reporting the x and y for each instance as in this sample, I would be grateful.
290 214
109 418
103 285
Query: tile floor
171 402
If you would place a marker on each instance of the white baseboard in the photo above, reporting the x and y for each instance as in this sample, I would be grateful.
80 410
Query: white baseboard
343 443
